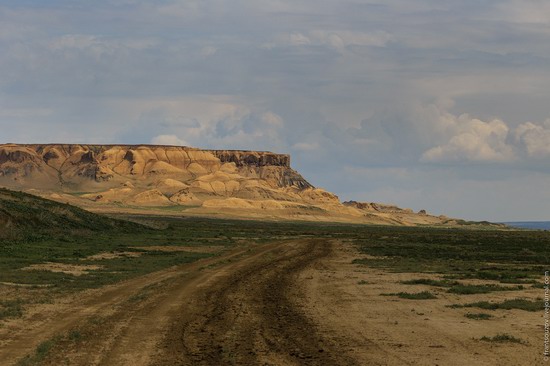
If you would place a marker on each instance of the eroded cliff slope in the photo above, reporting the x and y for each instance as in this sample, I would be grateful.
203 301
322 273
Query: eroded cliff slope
178 179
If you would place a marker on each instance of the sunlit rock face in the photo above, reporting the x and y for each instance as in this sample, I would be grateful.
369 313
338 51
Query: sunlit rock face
187 173
184 180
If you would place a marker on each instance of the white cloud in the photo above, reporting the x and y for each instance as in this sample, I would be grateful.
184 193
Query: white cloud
208 51
476 141
85 41
272 119
168 140
524 11
337 40
207 122
298 39
132 71
535 139
306 146
341 39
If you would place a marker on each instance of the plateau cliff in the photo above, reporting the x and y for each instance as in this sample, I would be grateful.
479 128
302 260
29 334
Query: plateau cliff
182 180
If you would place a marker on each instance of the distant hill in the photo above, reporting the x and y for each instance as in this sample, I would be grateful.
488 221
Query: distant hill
186 181
24 216
538 225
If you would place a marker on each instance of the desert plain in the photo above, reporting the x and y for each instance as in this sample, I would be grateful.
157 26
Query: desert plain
232 258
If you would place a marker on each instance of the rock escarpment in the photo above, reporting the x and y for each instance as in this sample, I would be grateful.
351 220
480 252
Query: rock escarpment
155 175
378 207
183 180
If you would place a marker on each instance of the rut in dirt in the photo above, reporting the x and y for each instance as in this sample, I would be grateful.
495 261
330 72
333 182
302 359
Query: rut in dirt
252 317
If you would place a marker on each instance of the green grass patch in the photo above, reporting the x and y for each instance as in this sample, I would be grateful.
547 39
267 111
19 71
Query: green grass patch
424 295
47 348
521 304
33 218
363 282
11 308
430 282
456 287
478 316
519 281
40 353
74 335
480 289
505 274
502 338
518 257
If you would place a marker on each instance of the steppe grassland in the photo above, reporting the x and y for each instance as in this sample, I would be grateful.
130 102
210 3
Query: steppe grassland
464 261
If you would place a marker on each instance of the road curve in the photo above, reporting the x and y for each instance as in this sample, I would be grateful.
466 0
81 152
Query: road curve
240 308
252 316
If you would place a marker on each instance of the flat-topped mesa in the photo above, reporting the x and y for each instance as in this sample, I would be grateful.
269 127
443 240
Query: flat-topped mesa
239 157
128 178
72 165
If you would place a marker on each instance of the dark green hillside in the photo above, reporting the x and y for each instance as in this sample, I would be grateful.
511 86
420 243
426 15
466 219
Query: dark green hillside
27 217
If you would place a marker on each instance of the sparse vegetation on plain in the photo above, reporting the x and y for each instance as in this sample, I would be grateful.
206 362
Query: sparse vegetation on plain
478 316
424 295
457 254
521 304
26 218
501 338
11 308
51 346
430 282
453 262
40 353
455 287
480 289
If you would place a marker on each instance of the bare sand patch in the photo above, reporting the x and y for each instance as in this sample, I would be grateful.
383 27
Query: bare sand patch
194 249
345 299
113 255
14 284
72 269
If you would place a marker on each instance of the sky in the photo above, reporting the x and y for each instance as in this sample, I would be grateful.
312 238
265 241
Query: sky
429 104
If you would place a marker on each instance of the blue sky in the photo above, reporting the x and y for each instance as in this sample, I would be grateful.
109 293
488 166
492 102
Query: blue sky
437 105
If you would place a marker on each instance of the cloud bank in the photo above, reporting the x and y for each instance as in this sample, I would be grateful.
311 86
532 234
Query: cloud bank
428 104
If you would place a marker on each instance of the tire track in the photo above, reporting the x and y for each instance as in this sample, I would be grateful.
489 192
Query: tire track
241 308
252 318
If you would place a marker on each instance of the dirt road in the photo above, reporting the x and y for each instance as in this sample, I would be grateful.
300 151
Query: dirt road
251 317
241 308
294 302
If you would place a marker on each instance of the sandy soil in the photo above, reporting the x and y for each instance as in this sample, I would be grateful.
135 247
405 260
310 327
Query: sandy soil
294 302
72 269
113 255
182 248
386 330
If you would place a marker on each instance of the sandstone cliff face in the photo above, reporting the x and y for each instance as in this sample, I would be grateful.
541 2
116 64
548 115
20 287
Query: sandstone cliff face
378 207
231 183
150 174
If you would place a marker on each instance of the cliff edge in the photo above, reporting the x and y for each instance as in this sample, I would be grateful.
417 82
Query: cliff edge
183 180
